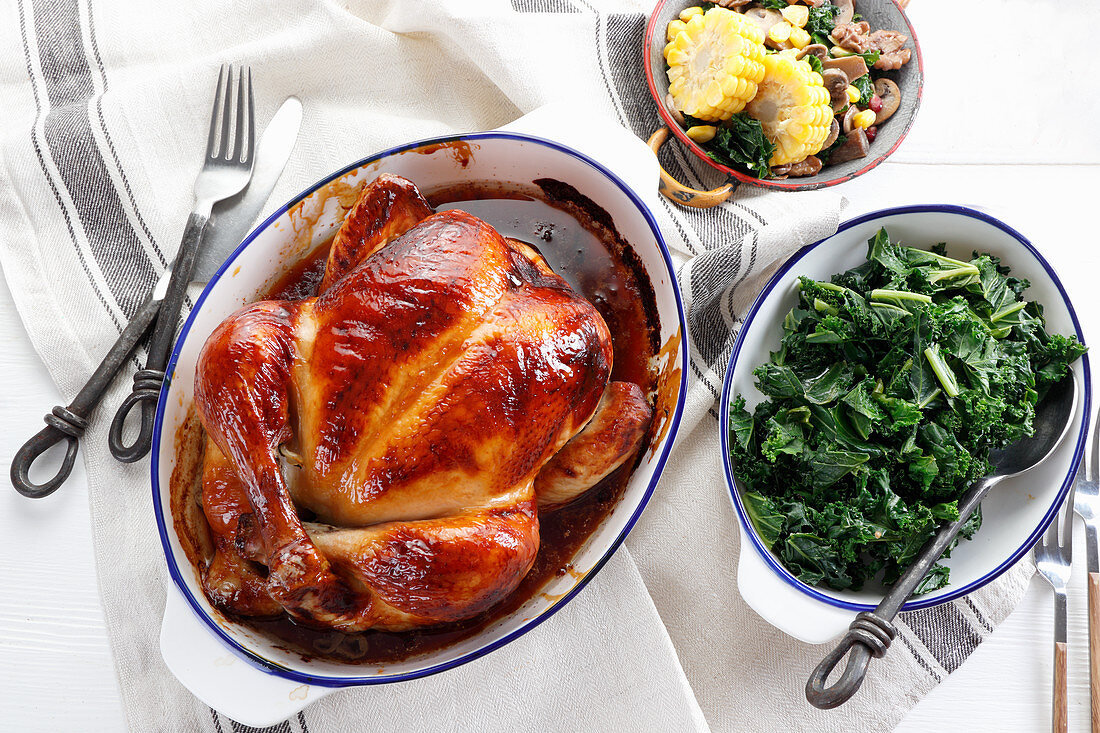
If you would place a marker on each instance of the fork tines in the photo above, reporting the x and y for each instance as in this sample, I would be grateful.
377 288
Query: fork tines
231 130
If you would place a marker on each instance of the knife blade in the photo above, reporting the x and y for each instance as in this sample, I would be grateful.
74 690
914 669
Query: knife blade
232 220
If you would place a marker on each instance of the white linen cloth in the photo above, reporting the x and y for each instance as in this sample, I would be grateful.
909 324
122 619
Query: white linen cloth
105 116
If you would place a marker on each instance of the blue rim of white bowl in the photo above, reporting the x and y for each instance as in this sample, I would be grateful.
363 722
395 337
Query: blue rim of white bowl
277 669
727 389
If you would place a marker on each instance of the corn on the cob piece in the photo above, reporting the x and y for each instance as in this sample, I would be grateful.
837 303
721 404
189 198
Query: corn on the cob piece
793 107
715 64
674 29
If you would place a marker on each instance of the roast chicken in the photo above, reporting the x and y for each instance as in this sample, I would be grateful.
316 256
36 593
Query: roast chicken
377 455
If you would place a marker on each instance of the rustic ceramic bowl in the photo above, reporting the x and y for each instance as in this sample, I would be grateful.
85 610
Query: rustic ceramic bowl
885 14
1014 514
250 676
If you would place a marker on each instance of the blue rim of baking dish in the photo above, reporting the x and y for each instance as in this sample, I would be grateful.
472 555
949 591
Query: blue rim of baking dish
727 396
275 668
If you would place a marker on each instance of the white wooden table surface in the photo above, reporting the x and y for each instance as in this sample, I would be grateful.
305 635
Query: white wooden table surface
1003 132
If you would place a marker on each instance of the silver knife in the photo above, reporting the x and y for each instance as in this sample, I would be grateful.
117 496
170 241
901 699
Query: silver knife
232 219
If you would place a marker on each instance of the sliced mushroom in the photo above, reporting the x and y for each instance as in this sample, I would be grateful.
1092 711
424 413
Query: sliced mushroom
856 146
814 49
780 172
837 84
847 11
670 104
764 18
890 96
834 133
852 66
810 166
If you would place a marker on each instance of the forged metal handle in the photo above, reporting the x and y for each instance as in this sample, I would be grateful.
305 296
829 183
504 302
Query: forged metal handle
149 381
868 636
872 631
69 423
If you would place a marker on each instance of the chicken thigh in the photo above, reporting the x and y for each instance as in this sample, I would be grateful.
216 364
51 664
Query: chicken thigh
443 384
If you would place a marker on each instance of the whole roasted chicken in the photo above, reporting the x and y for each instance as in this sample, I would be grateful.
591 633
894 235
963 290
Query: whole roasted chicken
377 455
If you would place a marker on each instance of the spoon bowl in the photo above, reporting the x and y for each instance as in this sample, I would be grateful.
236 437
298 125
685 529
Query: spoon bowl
1053 416
872 631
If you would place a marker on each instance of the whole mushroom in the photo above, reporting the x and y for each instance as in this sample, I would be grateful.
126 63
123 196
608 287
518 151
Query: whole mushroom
890 96
763 18
836 81
849 116
814 49
810 166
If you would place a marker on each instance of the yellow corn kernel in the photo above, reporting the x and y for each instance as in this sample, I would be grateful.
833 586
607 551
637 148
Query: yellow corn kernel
674 29
864 119
702 133
714 64
688 13
796 15
780 32
799 37
793 107
853 94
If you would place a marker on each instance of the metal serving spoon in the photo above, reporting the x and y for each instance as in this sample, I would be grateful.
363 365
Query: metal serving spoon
871 633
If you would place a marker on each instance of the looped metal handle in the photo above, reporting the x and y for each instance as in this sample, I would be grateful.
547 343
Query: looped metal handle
148 381
61 424
147 385
673 190
69 423
868 636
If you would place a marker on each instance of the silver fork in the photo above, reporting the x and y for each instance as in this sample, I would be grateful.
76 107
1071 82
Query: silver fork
226 171
1086 502
1053 555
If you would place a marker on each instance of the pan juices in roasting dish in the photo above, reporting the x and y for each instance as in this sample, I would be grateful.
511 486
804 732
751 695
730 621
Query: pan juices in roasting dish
377 456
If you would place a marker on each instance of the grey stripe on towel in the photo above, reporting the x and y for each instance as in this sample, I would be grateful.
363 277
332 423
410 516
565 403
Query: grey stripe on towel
114 244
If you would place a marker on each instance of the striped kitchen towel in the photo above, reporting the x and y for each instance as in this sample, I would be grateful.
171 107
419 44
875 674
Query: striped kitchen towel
104 117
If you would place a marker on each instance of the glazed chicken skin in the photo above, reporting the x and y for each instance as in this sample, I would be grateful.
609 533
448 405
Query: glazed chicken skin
442 386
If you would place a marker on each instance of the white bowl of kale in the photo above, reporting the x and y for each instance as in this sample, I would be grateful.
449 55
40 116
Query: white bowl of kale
867 384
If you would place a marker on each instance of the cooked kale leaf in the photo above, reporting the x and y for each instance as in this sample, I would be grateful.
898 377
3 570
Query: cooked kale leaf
740 143
866 89
891 384
870 57
821 22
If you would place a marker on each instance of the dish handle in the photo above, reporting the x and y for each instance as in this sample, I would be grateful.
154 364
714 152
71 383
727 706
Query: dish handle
223 680
781 604
675 191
